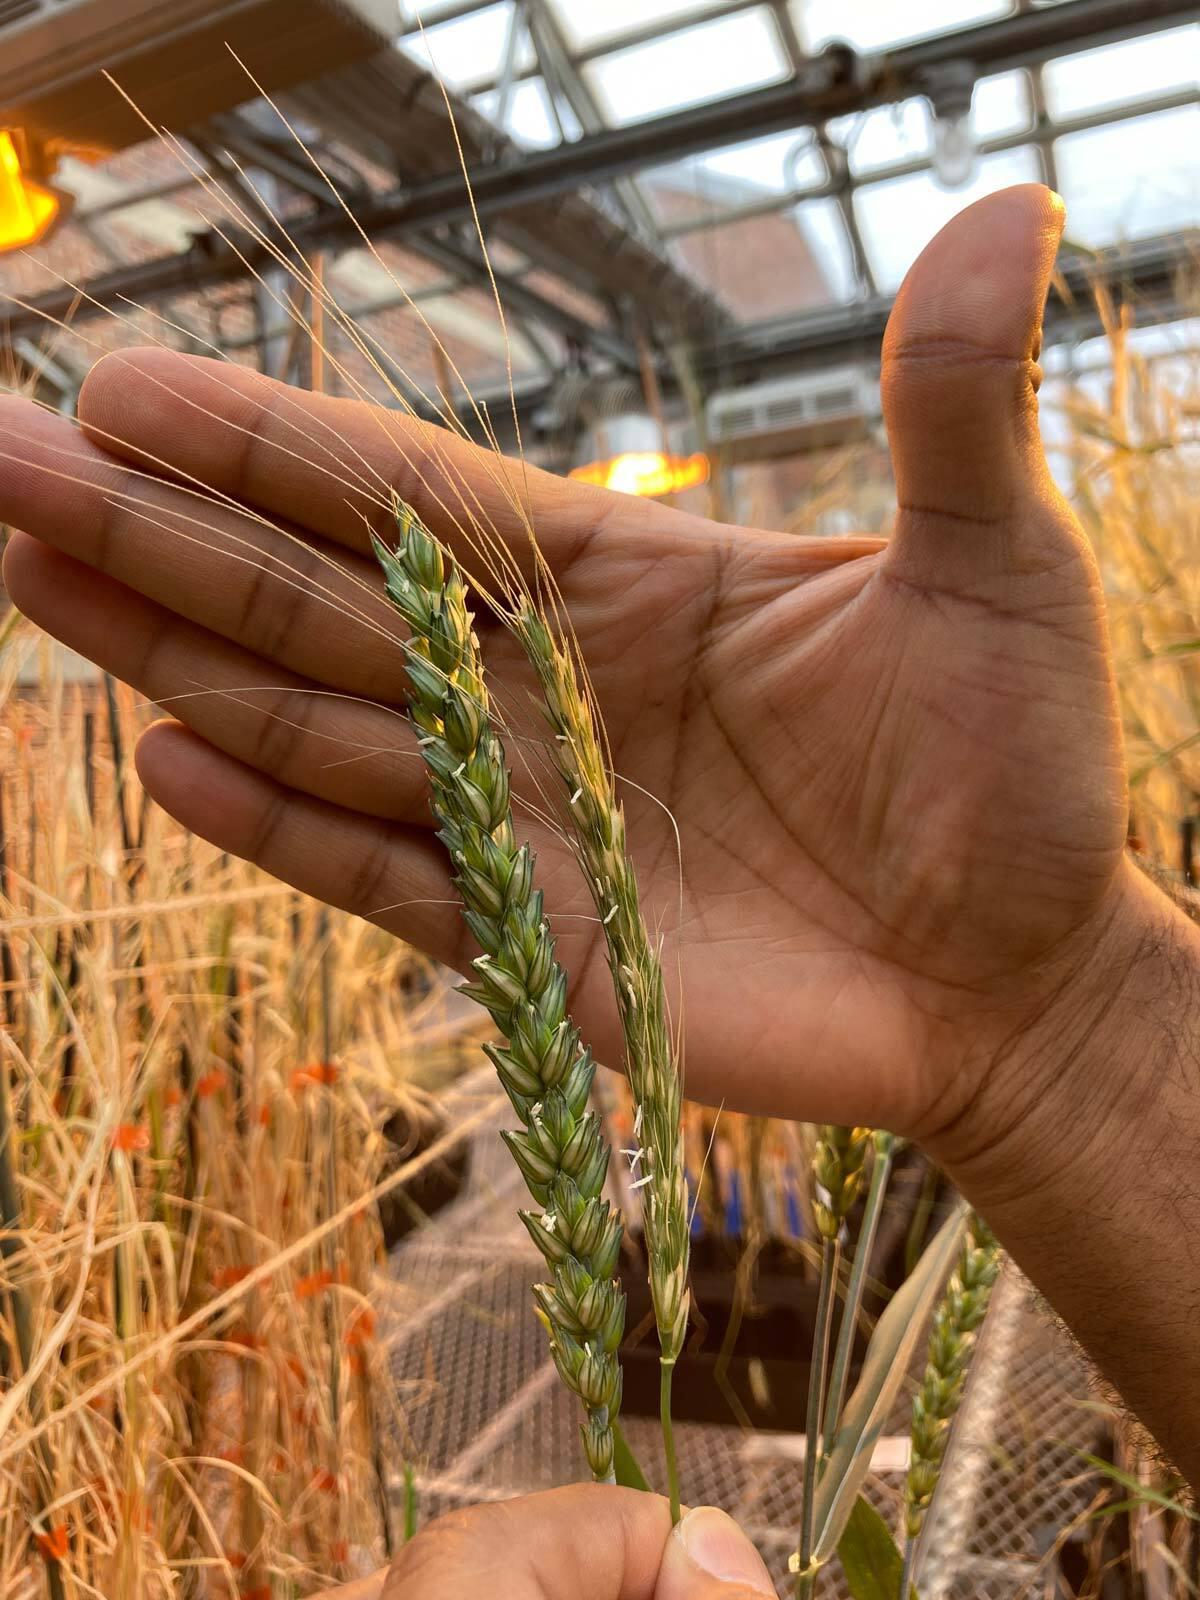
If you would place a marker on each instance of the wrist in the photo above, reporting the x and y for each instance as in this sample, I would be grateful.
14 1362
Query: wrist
1059 1067
1080 1151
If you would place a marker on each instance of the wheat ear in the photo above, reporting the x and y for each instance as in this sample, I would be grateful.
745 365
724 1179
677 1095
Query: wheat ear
958 1316
545 1070
598 823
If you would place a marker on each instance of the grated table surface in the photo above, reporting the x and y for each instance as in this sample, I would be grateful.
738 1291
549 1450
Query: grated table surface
486 1417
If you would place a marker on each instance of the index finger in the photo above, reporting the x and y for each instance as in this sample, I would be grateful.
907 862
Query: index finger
331 464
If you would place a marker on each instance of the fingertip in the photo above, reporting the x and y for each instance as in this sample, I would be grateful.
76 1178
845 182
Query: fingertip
116 370
708 1557
983 278
959 377
156 406
45 585
20 564
180 770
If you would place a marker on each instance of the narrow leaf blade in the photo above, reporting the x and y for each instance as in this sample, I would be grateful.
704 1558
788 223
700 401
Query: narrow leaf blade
625 1463
887 1361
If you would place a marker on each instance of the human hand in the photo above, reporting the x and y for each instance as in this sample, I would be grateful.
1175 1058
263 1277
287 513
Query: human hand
896 773
583 1543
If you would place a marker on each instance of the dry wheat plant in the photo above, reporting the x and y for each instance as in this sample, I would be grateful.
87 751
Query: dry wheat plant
197 1067
1133 448
1135 457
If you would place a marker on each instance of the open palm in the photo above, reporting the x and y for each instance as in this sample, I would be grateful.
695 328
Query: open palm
872 791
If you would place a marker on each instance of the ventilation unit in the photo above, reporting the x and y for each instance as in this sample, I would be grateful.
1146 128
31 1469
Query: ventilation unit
808 411
170 56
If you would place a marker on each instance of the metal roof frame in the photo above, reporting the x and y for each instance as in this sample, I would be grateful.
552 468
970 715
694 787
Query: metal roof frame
425 212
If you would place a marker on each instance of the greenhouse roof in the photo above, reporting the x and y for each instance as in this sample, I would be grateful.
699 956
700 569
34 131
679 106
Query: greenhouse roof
621 192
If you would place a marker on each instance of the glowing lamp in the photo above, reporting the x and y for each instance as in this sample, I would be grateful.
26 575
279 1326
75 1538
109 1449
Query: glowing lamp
28 210
646 472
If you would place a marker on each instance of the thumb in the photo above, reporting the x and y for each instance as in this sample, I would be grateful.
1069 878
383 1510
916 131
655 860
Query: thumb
708 1557
959 384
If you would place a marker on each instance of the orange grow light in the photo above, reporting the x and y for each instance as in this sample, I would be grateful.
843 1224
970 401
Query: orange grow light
28 210
645 472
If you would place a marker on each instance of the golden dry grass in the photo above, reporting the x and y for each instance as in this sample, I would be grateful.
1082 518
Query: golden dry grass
198 1065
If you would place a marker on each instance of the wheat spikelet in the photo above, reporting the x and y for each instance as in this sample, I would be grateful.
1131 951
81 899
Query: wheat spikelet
838 1165
545 1069
960 1313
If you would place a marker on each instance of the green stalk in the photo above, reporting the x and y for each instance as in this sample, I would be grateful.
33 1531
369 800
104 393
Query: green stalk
814 1417
665 1373
885 1144
837 1167
410 1502
545 1069
906 1575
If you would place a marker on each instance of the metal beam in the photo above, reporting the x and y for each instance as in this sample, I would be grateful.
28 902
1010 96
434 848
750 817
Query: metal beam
832 84
527 302
843 183
1043 134
663 28
1146 273
365 308
563 76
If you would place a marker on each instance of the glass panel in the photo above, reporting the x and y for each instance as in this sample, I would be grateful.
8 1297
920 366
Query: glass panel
590 22
530 118
1001 104
1120 73
723 180
1131 179
468 49
776 165
876 24
762 267
898 217
413 12
821 223
878 138
702 63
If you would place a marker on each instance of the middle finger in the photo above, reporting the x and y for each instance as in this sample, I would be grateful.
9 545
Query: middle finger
298 601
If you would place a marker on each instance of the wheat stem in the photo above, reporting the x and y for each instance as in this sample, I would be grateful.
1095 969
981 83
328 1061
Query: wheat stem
872 1211
546 1071
837 1168
906 1574
814 1414
666 1371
